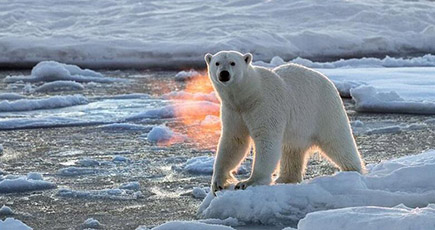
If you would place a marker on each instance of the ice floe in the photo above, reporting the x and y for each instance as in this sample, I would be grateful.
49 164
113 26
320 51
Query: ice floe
186 75
388 184
11 96
78 171
119 127
92 223
120 159
162 133
203 165
125 96
134 186
199 193
370 217
59 86
13 224
6 210
368 99
183 109
423 61
111 194
31 182
148 35
182 95
42 103
48 122
47 71
191 225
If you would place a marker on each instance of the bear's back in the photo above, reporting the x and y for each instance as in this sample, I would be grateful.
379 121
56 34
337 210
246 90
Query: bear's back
303 79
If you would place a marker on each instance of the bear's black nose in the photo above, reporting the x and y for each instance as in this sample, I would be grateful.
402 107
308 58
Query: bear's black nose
224 76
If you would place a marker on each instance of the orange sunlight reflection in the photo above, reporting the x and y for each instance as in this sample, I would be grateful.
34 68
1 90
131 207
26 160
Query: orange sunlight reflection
198 109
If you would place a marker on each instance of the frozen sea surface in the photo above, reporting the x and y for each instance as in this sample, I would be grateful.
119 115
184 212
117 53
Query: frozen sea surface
178 33
112 166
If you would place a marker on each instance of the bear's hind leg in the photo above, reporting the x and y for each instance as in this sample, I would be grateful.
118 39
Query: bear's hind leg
343 153
292 165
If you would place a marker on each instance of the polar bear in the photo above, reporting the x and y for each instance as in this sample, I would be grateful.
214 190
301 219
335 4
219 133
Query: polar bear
288 113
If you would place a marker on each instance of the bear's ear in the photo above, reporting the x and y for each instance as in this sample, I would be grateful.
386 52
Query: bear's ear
207 58
248 58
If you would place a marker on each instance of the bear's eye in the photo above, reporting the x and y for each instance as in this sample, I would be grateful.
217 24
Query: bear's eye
232 63
217 63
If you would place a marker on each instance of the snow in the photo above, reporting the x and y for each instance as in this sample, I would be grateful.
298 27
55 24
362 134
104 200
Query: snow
200 165
118 127
87 162
11 96
187 109
423 61
385 126
98 111
368 99
210 121
78 171
408 90
59 86
34 176
384 130
186 75
178 34
5 210
13 224
1 149
357 123
111 194
31 182
182 95
43 103
199 193
190 225
387 184
134 186
344 87
120 159
126 96
19 123
47 71
162 133
230 221
203 165
92 223
414 84
373 218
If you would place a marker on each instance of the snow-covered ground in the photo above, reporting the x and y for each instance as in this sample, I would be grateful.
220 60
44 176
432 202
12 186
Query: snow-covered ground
175 33
392 195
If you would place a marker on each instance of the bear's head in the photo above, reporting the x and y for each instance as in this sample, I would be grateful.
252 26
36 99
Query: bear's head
227 67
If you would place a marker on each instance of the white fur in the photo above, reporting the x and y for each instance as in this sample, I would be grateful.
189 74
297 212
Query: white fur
287 112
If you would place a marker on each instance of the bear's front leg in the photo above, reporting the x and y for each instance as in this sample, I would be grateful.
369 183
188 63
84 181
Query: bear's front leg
267 155
232 148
